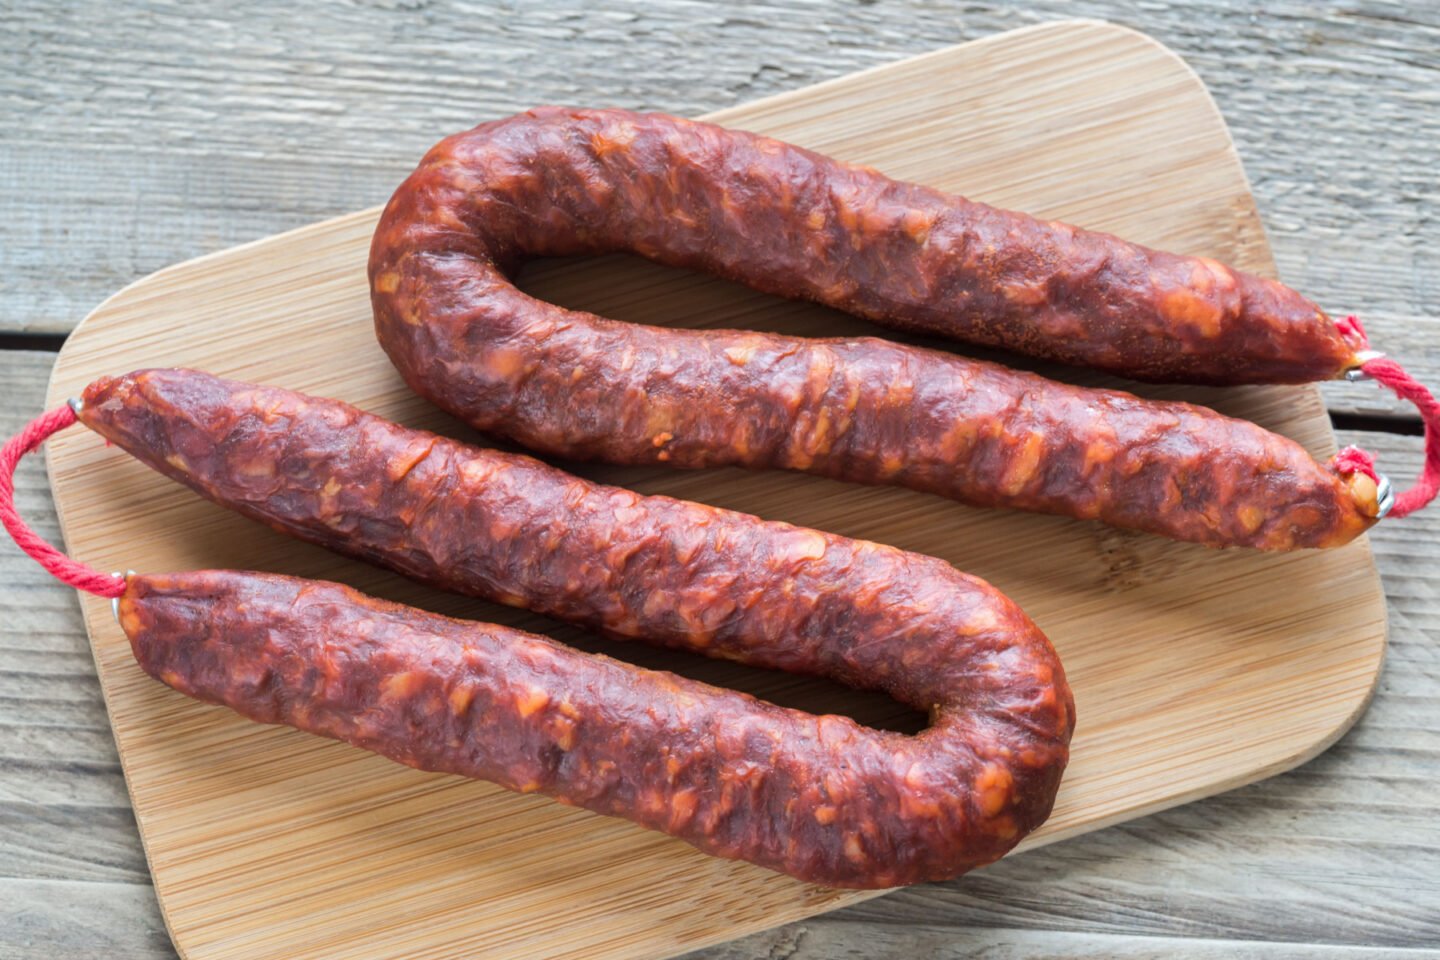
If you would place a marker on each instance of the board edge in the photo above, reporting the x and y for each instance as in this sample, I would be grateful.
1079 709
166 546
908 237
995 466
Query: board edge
847 897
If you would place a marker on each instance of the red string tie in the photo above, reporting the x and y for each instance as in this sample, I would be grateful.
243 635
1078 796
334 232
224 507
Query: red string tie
1390 374
69 571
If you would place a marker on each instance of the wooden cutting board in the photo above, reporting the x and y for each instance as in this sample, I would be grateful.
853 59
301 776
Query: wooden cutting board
1195 671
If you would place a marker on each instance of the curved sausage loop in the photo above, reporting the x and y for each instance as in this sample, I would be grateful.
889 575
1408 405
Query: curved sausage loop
822 798
788 221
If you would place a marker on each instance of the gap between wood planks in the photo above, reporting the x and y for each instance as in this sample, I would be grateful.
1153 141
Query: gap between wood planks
1405 426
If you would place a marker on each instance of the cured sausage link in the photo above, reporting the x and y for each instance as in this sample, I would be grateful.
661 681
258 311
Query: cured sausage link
576 385
510 528
819 797
875 412
557 181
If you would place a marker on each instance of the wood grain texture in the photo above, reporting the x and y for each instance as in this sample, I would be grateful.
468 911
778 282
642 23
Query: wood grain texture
1325 861
1159 638
140 134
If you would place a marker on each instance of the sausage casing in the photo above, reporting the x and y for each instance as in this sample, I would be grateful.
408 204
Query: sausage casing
557 181
576 385
818 797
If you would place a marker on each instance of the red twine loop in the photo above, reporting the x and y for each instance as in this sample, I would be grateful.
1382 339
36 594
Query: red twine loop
69 571
1389 373
1355 460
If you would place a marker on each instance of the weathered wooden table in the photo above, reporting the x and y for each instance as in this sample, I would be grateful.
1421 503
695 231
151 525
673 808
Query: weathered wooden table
139 134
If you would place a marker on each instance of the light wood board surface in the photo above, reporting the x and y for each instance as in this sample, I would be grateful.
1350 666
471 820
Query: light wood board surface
1167 645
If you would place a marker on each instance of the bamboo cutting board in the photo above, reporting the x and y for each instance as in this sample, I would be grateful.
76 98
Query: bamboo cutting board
1194 671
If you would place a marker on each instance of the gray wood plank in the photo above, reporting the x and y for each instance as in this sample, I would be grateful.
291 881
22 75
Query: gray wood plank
828 939
46 919
139 133
1339 858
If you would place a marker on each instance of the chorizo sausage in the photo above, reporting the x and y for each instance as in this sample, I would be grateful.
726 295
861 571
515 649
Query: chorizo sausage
821 798
785 220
